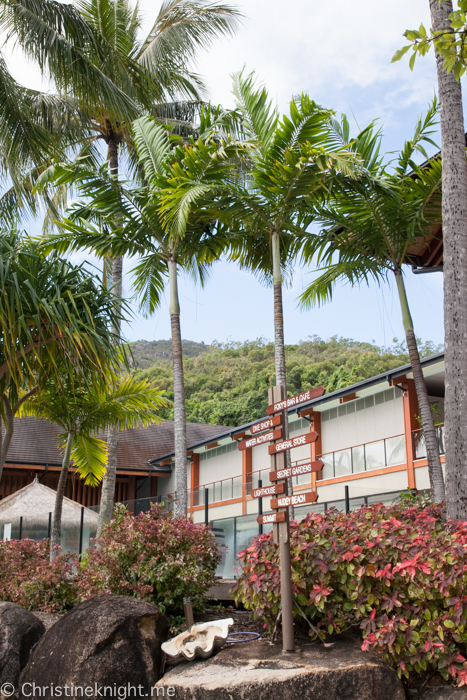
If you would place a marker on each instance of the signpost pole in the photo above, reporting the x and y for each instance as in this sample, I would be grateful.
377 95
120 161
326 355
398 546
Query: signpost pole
281 536
260 507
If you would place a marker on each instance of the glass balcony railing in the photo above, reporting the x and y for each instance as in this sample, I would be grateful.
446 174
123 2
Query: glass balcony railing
362 458
218 491
419 446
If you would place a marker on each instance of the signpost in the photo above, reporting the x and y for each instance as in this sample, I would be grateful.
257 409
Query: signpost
289 444
260 439
296 400
278 405
279 517
266 424
265 491
298 470
297 500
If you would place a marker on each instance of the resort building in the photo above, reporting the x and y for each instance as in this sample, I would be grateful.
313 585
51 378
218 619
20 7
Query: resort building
370 440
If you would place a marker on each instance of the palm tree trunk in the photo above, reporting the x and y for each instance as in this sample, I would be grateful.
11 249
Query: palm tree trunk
59 496
110 477
279 351
5 440
179 395
454 213
431 441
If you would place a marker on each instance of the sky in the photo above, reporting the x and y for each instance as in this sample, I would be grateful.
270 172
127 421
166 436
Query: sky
339 52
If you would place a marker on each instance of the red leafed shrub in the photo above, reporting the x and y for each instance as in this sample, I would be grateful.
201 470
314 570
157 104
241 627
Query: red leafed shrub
398 572
154 557
28 578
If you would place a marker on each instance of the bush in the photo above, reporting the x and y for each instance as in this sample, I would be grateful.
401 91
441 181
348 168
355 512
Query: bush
154 557
398 572
28 578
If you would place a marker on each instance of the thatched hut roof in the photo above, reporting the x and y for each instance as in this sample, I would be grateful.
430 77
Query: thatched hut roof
35 501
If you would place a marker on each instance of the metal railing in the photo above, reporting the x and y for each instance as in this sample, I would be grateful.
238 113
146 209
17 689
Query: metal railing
419 446
371 455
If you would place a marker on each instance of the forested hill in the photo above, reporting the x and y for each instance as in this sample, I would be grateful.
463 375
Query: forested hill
227 383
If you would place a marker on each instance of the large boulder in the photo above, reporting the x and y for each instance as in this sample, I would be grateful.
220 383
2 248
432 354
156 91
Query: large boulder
107 641
20 630
261 671
445 693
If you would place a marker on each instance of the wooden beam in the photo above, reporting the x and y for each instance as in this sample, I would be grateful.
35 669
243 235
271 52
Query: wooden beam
211 445
166 461
348 397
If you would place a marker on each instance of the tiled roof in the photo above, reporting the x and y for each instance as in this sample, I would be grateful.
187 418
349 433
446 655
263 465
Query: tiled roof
34 442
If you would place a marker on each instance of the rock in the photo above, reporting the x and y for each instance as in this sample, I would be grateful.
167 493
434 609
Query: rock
445 693
20 630
107 641
261 671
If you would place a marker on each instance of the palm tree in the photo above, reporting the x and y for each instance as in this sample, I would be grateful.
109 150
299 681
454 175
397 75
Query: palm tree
95 56
268 209
455 270
54 318
81 410
369 224
133 226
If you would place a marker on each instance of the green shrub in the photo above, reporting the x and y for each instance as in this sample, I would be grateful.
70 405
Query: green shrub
398 572
29 579
154 557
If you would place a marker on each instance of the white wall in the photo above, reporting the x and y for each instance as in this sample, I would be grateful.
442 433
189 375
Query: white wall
220 467
381 483
369 424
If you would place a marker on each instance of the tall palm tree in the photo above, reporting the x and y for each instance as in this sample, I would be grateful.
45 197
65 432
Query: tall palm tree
134 226
455 270
268 209
82 411
54 318
369 224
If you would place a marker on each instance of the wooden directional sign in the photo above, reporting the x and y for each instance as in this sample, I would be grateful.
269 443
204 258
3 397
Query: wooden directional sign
296 400
298 470
297 500
260 439
265 491
265 424
279 517
290 443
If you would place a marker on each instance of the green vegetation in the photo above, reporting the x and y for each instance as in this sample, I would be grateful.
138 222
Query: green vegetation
227 383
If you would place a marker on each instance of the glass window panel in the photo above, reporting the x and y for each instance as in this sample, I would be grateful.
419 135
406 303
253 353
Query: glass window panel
369 401
332 413
303 511
227 490
246 529
224 532
374 453
324 416
419 444
395 450
265 477
351 407
237 487
358 459
379 398
217 491
389 394
342 410
356 503
342 462
328 469
440 431
303 479
360 404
